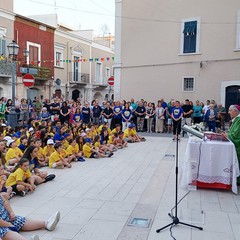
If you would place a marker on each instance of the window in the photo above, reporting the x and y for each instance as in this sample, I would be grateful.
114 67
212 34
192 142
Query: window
58 53
3 47
190 36
58 59
99 72
34 57
238 30
188 84
76 76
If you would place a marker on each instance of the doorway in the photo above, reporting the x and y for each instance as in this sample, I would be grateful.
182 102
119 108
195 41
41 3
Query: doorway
75 94
232 97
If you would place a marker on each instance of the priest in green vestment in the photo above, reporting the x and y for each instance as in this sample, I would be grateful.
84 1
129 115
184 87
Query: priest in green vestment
234 130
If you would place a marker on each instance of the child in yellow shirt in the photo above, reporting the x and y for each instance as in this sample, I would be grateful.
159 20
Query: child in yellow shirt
13 154
56 159
73 151
21 179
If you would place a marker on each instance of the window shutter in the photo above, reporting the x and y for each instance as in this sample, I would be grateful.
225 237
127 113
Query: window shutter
3 47
190 37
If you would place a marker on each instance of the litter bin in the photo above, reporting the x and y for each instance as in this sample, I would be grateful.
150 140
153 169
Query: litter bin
12 119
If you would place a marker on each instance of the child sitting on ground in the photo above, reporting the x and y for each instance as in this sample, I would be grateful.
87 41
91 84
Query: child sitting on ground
21 179
13 154
11 224
56 160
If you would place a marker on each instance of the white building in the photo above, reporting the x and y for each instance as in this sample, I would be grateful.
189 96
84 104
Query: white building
178 49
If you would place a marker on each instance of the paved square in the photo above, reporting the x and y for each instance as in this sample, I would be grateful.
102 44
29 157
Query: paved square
97 198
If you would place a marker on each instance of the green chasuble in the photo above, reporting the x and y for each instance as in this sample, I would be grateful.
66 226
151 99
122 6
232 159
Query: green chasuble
234 136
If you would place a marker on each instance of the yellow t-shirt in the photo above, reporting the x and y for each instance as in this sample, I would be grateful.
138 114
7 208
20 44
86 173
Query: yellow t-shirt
47 151
64 153
87 150
65 144
18 141
18 175
12 153
54 157
100 129
110 139
129 132
72 150
40 154
97 144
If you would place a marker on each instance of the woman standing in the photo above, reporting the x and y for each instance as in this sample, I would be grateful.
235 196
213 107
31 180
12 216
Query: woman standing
197 112
177 114
64 113
2 110
126 116
159 112
210 118
149 116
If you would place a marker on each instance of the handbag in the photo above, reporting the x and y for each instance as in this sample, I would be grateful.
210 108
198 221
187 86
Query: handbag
146 117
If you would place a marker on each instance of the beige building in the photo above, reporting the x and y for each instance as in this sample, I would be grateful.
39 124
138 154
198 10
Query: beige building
178 49
6 37
89 65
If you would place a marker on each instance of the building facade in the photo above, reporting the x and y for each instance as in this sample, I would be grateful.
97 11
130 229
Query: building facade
178 49
6 36
82 67
38 39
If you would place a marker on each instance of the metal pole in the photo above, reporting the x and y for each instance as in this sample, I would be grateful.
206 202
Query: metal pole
13 82
28 102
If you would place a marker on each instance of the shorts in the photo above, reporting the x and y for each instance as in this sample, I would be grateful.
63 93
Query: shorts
169 121
18 223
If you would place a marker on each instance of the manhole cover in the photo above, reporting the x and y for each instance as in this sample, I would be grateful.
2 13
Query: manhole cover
139 222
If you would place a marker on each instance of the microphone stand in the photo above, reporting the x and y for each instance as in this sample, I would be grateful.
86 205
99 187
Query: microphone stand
175 219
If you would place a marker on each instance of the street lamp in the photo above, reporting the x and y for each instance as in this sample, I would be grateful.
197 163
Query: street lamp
25 54
13 50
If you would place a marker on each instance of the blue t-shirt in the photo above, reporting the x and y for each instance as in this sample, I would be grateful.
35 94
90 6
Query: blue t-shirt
127 114
117 109
77 117
177 112
197 111
33 163
57 137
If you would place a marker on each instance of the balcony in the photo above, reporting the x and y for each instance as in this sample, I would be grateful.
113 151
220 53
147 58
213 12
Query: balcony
79 78
43 73
100 83
5 69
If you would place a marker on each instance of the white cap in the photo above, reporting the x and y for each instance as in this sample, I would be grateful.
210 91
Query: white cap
50 141
31 129
9 142
88 129
7 138
3 125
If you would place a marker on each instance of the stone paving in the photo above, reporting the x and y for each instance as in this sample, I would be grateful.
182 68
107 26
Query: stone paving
97 198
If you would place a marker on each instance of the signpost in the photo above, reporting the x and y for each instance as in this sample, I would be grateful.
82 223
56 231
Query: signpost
28 81
111 81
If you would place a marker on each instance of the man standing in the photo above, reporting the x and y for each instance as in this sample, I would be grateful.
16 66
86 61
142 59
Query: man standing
140 112
37 107
54 109
187 112
96 112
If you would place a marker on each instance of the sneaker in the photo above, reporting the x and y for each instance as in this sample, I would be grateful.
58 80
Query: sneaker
12 194
23 193
35 237
53 221
50 177
81 159
110 154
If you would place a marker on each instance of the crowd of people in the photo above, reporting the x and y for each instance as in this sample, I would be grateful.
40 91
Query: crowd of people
57 133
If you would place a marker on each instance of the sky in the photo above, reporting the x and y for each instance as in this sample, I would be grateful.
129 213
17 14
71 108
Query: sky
79 14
